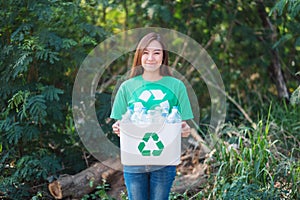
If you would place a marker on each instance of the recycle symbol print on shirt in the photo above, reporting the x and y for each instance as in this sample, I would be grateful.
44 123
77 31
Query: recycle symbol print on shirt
143 147
152 96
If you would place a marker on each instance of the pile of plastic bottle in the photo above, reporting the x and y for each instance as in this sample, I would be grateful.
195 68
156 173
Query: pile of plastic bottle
140 115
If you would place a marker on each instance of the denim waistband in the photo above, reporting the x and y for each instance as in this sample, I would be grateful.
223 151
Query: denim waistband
144 168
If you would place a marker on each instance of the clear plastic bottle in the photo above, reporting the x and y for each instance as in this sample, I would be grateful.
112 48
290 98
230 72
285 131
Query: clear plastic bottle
126 117
174 116
164 112
135 117
151 116
143 116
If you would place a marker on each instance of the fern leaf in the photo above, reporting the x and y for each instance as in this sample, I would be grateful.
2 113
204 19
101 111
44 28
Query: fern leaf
54 41
21 31
51 93
19 98
47 55
14 134
30 133
68 43
37 108
7 49
87 40
22 64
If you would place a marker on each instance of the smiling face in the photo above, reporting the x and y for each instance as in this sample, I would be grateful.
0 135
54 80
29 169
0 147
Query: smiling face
152 57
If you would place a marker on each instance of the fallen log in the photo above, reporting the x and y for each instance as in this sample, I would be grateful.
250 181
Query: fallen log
76 186
192 181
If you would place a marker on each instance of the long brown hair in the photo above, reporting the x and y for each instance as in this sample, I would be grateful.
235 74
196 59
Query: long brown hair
137 68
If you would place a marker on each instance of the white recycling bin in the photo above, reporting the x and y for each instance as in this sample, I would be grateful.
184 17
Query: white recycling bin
150 144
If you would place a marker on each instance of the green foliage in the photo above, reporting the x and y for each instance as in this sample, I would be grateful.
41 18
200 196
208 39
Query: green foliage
174 196
51 93
43 43
290 9
19 98
291 6
100 193
36 166
103 112
250 165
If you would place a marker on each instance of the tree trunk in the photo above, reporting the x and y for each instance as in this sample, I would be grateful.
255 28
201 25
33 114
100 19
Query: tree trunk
276 72
275 66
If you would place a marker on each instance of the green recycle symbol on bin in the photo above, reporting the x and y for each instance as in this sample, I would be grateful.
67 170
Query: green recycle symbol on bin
146 152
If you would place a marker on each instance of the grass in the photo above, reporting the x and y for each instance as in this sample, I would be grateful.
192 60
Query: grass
260 163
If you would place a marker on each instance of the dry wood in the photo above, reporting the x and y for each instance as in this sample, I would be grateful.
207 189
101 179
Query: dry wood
191 174
76 186
191 181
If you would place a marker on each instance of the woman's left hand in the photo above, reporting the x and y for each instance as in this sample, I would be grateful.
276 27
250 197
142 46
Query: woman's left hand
185 129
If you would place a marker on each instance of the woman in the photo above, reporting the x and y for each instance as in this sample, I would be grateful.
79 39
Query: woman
150 72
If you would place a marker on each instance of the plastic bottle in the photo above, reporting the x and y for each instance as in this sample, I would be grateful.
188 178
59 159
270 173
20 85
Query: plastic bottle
143 116
126 117
135 117
174 116
151 116
165 112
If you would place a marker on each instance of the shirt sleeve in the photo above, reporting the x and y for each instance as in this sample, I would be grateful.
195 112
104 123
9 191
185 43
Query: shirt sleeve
184 103
120 104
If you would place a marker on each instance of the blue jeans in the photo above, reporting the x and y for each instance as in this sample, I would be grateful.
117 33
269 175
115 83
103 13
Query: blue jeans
149 182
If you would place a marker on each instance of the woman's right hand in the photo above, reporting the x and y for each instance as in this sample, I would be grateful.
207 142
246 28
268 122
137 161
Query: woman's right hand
116 127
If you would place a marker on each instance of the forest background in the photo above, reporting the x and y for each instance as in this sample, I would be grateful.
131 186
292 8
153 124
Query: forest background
255 45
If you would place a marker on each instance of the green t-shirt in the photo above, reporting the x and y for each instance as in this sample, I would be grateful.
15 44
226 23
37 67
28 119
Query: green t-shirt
167 91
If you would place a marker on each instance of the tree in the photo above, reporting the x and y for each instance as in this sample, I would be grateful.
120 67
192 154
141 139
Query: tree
42 44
